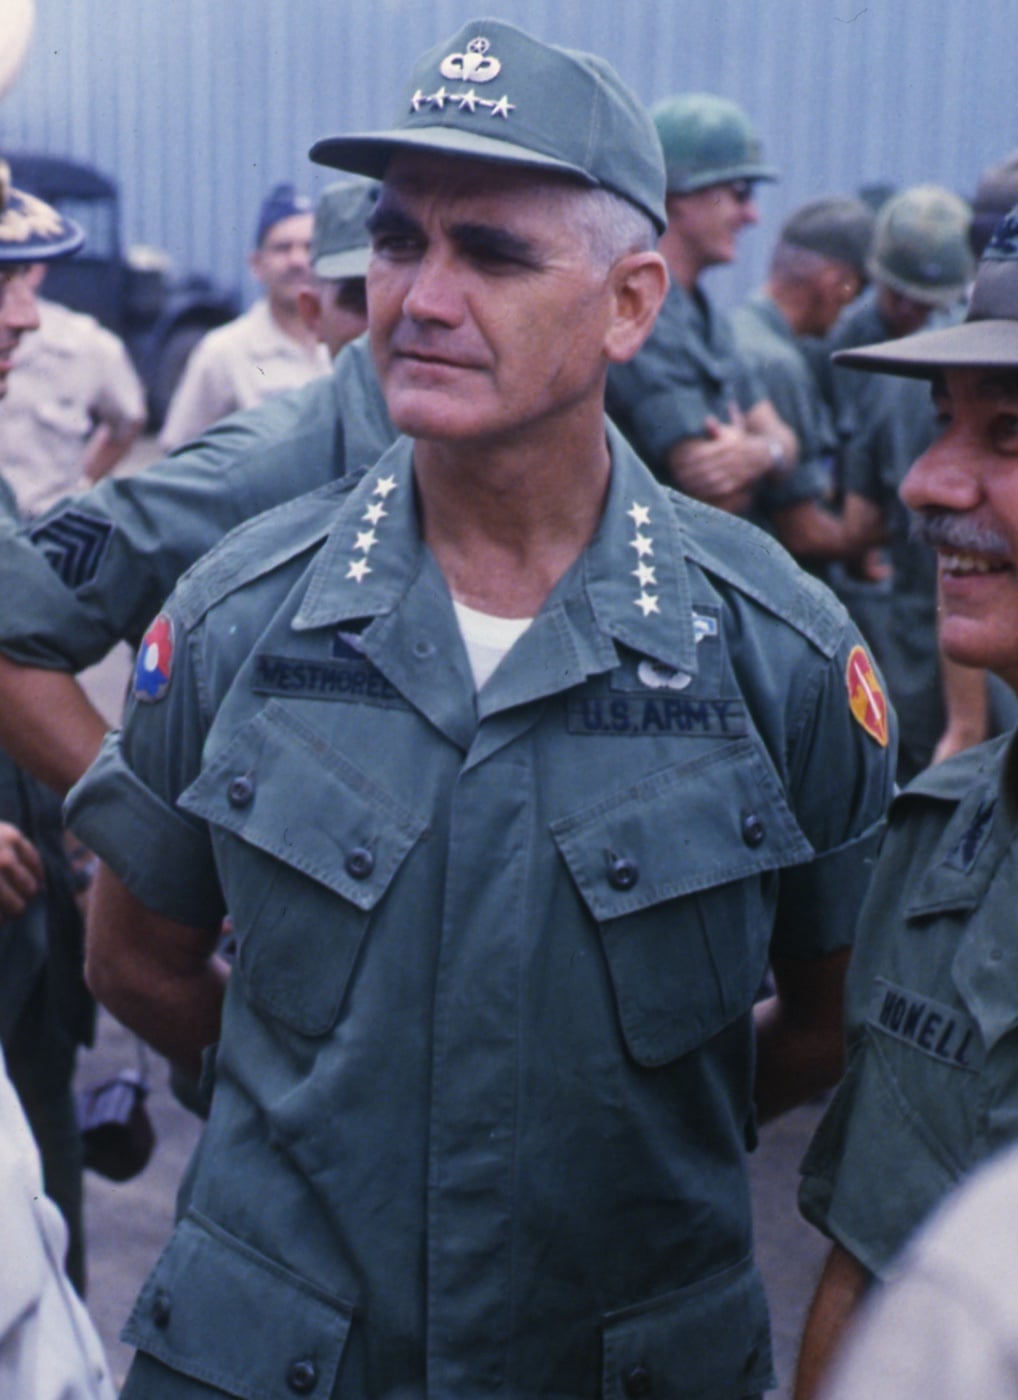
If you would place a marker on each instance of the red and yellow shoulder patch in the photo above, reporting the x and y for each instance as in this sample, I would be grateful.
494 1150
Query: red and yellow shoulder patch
866 697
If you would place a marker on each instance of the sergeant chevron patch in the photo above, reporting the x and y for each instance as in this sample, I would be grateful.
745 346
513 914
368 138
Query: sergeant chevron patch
74 544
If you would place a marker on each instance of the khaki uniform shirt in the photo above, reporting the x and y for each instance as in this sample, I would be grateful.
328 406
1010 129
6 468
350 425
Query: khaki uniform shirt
237 366
484 1087
70 376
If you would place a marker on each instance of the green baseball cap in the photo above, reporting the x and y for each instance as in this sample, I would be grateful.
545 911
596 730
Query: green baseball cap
31 230
834 227
493 92
707 140
341 244
986 339
921 245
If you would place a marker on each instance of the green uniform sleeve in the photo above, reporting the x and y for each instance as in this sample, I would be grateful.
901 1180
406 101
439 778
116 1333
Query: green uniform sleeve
124 808
842 775
96 569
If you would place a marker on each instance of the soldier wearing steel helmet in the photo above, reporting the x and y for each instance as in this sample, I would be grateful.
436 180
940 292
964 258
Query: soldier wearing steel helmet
514 769
931 1086
694 411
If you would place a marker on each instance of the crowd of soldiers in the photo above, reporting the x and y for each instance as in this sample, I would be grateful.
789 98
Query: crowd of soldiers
540 764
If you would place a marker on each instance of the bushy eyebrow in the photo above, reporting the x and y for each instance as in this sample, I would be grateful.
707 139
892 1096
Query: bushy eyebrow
472 238
490 240
388 217
991 386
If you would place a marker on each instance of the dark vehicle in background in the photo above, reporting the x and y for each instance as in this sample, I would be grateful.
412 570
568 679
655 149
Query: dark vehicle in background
160 316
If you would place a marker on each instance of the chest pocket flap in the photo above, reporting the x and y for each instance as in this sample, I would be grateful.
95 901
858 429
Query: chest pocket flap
674 869
310 826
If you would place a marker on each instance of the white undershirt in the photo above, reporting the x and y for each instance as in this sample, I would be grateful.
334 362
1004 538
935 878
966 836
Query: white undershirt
487 638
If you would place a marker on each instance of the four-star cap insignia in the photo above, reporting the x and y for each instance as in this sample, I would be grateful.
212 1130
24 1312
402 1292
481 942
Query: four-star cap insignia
476 65
866 698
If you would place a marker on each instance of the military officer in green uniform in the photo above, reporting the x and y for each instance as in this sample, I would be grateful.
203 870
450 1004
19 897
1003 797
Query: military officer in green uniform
817 268
514 770
696 413
45 1010
931 1086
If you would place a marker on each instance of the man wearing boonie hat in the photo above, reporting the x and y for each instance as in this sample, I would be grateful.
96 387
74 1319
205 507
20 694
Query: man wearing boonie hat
921 263
268 349
931 1086
48 1346
691 408
514 770
335 307
818 266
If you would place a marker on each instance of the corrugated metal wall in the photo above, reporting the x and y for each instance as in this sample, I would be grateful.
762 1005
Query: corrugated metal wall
199 105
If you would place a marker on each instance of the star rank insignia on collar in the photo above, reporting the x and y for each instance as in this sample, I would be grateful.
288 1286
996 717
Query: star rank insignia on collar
365 540
644 574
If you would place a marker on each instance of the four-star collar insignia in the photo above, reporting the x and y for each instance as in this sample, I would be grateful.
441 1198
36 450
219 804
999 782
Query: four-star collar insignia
365 541
476 65
644 573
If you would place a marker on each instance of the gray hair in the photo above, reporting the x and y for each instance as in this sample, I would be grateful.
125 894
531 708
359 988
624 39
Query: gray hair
611 226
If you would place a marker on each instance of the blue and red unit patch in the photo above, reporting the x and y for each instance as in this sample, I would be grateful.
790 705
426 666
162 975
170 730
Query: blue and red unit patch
154 666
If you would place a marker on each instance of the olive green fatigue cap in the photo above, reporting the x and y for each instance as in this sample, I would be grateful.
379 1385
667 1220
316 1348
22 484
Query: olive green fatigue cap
341 244
495 93
707 140
987 338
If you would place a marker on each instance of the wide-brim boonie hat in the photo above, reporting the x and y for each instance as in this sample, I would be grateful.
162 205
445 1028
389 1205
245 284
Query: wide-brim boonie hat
30 229
495 93
986 339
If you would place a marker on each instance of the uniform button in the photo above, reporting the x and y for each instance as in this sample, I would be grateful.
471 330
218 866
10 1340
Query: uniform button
637 1382
360 863
240 792
622 873
302 1377
753 830
161 1308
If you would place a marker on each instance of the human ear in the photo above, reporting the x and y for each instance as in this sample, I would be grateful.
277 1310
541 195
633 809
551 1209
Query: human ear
309 309
639 285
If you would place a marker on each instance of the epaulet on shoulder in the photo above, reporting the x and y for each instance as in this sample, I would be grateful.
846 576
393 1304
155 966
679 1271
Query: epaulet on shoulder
747 558
952 779
259 547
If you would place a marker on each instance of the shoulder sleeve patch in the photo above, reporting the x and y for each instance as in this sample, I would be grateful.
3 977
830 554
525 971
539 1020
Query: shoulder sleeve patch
866 698
74 543
154 666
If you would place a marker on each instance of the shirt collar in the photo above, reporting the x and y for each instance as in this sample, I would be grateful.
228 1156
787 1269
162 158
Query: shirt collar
632 578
